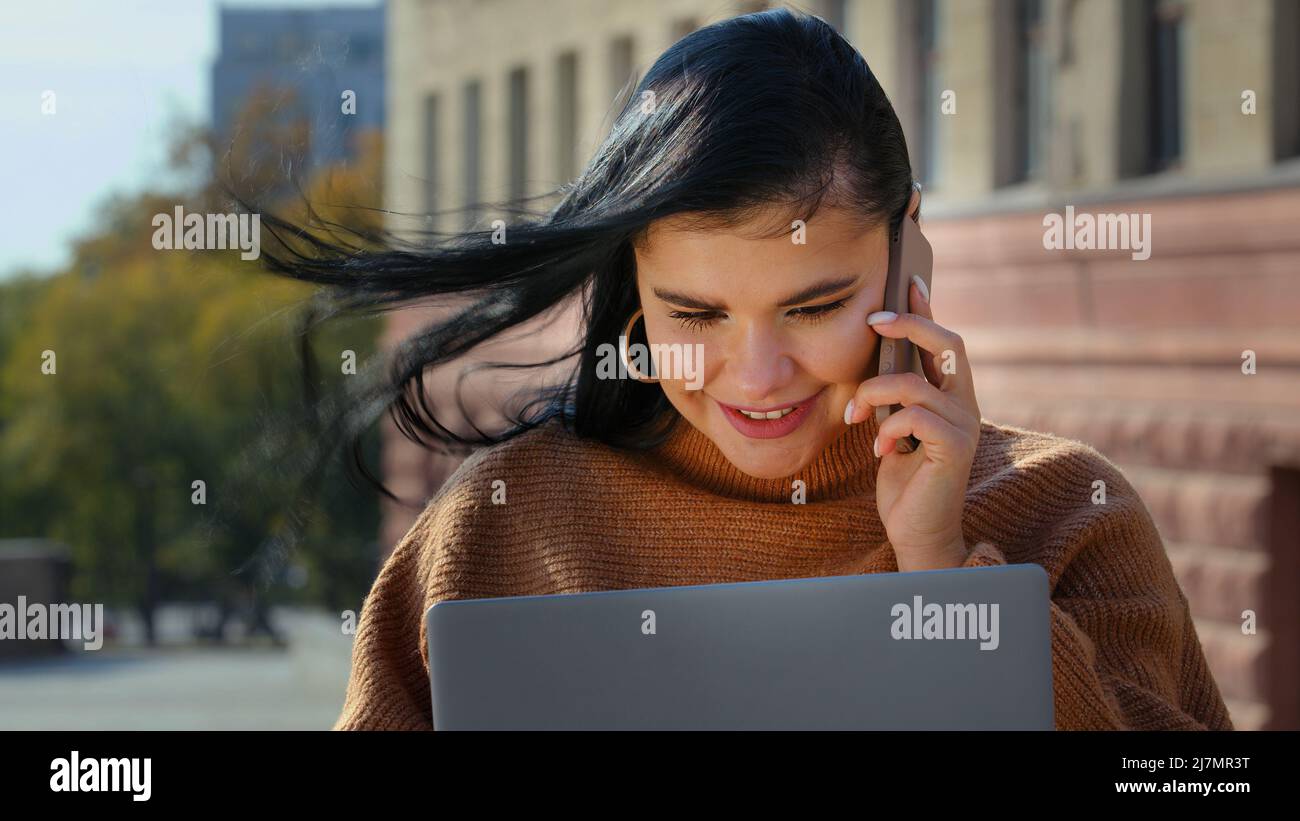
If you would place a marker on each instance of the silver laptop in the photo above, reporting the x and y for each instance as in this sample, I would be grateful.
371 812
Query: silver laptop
966 649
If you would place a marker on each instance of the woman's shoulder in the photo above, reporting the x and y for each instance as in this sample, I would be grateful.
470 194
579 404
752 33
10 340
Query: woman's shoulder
549 447
1055 500
539 464
1036 473
1006 450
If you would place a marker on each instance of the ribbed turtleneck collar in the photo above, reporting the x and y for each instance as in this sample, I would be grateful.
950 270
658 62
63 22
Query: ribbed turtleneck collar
845 468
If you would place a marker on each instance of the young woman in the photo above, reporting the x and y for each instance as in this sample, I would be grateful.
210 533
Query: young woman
740 209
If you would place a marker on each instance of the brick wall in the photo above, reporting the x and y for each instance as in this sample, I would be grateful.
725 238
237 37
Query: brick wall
1142 360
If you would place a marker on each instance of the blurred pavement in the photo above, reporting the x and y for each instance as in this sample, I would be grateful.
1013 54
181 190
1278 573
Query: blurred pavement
187 687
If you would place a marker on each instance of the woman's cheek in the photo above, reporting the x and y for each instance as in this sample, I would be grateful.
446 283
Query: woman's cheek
685 351
839 353
703 362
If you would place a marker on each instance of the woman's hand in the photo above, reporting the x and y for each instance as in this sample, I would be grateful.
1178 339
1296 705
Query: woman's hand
920 495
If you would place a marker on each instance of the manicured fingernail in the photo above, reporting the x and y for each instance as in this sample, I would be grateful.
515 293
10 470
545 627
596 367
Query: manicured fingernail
921 286
848 413
875 445
881 317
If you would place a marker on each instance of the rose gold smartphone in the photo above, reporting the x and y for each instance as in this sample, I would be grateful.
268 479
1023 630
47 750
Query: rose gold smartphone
909 254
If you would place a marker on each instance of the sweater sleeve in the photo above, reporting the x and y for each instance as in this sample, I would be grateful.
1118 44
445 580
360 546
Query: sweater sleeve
1125 654
388 687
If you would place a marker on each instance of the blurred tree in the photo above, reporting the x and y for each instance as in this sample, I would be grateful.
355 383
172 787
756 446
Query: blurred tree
18 501
177 367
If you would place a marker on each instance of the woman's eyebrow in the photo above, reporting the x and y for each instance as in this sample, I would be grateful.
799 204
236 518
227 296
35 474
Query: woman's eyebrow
820 289
686 301
824 288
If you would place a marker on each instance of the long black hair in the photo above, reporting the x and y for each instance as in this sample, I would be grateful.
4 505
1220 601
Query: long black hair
768 108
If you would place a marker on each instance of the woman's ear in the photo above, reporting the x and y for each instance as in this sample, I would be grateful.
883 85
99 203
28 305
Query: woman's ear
914 204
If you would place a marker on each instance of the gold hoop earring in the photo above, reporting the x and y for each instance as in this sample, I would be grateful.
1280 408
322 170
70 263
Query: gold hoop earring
623 349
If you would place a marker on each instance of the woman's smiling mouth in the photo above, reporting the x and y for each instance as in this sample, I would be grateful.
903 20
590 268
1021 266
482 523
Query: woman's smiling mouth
770 422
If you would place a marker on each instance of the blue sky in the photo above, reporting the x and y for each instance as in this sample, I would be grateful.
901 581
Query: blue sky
122 72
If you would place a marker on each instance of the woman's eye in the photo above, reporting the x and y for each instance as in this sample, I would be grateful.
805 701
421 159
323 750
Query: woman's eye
702 319
814 313
698 320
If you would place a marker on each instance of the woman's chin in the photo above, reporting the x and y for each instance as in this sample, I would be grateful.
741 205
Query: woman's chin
777 463
769 472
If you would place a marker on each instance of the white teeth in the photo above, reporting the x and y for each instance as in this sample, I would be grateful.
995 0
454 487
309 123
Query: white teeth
776 414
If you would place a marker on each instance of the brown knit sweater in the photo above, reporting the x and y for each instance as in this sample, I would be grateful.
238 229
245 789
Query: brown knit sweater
580 516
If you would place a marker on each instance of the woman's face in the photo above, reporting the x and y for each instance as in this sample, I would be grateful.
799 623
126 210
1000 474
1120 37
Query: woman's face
780 325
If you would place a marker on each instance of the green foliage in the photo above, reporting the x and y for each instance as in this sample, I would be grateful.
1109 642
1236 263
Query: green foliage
174 367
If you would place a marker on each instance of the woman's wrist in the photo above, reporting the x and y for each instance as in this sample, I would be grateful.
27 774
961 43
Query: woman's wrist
952 555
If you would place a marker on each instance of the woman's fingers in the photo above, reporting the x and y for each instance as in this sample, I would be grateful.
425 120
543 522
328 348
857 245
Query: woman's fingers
945 349
946 392
909 389
943 441
918 295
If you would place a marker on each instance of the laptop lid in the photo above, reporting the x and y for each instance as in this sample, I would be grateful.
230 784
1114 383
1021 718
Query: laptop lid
964 648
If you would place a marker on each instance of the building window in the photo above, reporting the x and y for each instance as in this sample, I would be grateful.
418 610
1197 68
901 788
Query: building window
517 120
1030 91
1067 32
1286 79
471 166
1283 512
621 64
431 149
1165 32
929 88
566 116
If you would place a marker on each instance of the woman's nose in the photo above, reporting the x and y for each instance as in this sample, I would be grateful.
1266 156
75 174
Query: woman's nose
760 365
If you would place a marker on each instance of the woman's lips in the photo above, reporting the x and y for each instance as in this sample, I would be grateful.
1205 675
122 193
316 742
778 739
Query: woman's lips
769 428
